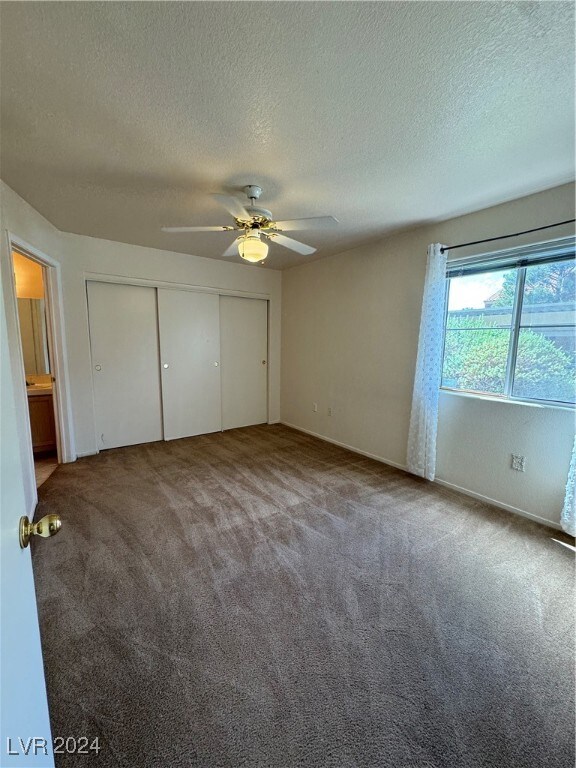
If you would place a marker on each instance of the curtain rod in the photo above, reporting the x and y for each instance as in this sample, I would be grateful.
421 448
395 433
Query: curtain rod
503 237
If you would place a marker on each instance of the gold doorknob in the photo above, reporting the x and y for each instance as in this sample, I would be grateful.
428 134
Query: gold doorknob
49 525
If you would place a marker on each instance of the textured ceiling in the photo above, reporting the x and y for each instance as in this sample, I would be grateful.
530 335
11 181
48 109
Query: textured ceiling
118 118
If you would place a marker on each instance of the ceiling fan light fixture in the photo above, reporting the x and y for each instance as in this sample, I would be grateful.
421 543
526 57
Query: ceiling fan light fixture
253 221
251 248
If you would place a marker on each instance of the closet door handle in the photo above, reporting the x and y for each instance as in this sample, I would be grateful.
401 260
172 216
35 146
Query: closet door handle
166 365
216 364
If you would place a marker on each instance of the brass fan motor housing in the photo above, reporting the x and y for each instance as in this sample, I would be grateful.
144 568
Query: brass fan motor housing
260 219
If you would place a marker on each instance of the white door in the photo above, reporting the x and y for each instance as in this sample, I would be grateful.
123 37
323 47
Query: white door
125 364
190 359
23 705
244 354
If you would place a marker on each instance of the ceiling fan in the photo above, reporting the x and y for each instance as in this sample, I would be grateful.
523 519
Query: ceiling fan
257 223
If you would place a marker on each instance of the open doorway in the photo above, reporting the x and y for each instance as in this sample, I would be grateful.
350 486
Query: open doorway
36 341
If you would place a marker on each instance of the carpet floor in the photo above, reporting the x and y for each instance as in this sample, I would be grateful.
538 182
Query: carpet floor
260 598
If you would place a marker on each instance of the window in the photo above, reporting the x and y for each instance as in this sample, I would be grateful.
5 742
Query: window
510 324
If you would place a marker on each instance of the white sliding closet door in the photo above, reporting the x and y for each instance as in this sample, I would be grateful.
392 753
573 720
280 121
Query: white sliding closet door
125 364
190 357
244 349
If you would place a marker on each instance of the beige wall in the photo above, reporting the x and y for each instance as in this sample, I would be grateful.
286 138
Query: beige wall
349 340
79 255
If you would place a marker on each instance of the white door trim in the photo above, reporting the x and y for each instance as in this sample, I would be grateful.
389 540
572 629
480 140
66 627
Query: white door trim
58 356
107 278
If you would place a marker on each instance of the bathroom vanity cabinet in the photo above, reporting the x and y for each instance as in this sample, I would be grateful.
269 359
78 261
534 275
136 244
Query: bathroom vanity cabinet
43 427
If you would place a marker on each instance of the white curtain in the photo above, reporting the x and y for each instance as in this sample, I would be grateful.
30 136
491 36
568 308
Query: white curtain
568 518
424 416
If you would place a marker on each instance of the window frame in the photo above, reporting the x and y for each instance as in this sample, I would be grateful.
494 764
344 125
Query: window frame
552 251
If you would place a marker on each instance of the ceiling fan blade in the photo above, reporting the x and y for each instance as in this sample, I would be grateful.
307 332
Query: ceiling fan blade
316 222
198 229
232 249
288 242
233 206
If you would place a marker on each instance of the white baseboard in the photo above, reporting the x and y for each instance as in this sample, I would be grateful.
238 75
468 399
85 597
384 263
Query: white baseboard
500 504
87 453
345 445
459 489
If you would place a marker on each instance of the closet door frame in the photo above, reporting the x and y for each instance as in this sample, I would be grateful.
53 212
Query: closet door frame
190 362
120 279
263 406
124 345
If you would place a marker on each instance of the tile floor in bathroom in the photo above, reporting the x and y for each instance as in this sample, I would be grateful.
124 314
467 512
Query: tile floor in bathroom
43 467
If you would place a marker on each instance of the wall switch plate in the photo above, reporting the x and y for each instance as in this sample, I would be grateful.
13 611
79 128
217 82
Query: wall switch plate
518 462
315 407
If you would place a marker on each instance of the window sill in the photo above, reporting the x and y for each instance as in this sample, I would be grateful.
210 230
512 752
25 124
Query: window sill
509 400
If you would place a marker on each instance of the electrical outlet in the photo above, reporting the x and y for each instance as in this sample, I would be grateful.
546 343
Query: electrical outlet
315 407
518 462
329 411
